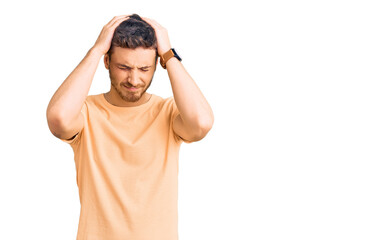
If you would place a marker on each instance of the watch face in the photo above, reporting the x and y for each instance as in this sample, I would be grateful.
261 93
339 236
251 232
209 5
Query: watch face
176 54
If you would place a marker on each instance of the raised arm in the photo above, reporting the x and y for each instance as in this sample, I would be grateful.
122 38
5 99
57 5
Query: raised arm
64 110
196 116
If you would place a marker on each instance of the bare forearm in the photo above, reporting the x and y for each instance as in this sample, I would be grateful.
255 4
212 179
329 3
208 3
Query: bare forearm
68 100
192 105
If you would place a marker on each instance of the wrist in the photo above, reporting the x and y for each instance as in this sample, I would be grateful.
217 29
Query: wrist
164 51
173 59
96 51
171 53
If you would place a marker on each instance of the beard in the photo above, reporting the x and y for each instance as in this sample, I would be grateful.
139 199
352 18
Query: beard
126 95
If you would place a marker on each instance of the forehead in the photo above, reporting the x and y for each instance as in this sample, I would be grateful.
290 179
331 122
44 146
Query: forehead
138 57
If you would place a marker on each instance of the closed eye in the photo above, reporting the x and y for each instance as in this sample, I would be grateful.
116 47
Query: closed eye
126 68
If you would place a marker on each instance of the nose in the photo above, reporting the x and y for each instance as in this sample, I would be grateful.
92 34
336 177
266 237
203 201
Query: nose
133 78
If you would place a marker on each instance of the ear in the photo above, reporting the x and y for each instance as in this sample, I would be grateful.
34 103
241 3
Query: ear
106 61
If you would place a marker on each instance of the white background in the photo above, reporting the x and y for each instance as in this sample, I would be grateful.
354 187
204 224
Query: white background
300 147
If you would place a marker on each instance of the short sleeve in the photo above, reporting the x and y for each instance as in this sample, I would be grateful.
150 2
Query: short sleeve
77 137
174 113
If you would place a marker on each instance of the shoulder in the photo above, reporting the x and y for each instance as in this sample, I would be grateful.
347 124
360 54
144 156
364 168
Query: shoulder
92 99
166 104
163 102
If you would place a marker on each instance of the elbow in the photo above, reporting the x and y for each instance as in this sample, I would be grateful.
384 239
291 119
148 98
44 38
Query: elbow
207 124
54 125
204 127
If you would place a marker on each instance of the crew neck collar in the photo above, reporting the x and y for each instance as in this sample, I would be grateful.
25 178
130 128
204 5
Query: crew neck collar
144 105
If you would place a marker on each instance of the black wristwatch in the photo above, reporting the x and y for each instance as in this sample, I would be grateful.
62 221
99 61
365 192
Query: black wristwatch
169 54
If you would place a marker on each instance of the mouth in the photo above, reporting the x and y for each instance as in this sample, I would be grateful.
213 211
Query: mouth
132 89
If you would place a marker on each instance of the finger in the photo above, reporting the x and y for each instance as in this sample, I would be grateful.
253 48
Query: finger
151 22
121 16
112 20
115 19
154 23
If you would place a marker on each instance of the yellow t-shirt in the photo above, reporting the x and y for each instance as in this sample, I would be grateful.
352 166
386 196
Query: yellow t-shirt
127 170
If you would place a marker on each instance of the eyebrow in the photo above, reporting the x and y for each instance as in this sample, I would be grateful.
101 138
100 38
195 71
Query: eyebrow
123 65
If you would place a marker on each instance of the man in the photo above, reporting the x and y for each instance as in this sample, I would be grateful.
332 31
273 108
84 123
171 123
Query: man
126 141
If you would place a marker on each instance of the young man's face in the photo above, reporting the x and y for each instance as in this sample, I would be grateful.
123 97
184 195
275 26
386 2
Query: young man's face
131 71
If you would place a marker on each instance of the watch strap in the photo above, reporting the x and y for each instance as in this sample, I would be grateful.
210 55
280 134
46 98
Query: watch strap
166 56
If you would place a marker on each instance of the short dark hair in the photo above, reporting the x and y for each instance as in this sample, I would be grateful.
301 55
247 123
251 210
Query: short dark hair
132 33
